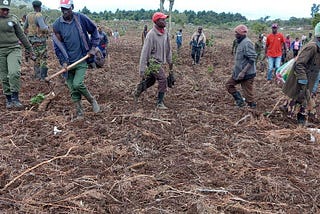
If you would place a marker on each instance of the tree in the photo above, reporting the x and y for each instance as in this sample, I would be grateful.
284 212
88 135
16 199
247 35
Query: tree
85 10
316 19
314 9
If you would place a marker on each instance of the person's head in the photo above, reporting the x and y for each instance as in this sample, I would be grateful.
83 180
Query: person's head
297 38
4 7
99 28
145 27
66 7
159 19
260 36
200 29
288 36
241 31
37 5
317 31
274 28
180 30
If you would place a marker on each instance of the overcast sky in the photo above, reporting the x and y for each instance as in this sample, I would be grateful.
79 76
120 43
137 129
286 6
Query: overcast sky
251 9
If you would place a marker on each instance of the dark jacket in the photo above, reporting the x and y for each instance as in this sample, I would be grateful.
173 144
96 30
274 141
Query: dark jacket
306 68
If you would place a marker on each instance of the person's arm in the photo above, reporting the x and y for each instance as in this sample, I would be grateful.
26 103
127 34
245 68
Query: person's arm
145 55
91 28
21 36
41 23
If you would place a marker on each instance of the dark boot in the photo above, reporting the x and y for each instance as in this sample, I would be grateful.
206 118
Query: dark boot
301 118
43 73
252 105
79 110
15 100
93 102
160 104
37 72
238 98
9 104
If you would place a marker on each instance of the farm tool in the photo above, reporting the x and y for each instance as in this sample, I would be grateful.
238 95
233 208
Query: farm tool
51 95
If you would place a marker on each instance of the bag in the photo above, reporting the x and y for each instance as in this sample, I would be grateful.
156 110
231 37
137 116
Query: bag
284 70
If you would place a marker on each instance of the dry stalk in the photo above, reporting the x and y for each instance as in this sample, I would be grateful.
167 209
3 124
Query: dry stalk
34 167
275 106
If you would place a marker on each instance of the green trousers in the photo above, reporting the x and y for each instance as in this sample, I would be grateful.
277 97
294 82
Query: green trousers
75 82
10 69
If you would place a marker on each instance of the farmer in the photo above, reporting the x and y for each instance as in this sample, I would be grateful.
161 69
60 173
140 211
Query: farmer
10 54
103 45
197 43
155 53
301 80
296 46
244 70
258 46
274 46
179 40
71 43
144 33
37 31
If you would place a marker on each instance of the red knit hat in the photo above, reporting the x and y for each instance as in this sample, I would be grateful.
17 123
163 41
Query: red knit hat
159 15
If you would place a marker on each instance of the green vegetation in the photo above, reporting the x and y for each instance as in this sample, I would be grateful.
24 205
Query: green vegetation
37 99
153 67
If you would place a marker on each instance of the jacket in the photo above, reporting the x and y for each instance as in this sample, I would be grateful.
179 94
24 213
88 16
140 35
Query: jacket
306 68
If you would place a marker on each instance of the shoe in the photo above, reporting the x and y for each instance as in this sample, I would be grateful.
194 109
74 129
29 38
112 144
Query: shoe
301 119
252 105
161 106
15 100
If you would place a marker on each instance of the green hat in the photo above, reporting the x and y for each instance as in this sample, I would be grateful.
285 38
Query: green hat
317 30
5 4
36 3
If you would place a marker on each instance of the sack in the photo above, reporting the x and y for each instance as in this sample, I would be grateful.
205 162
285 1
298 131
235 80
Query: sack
284 70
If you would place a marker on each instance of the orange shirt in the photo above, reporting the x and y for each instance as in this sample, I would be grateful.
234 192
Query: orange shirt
275 44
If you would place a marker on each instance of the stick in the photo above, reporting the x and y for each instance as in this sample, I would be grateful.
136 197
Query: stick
34 167
242 119
274 107
68 68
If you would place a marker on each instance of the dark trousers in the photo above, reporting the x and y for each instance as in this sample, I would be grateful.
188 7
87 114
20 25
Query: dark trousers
246 85
195 54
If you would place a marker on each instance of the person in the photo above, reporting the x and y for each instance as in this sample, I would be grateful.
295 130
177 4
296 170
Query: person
71 43
116 35
144 33
38 31
288 42
275 45
103 45
234 47
10 55
179 40
296 46
301 80
258 46
304 39
197 43
244 70
156 52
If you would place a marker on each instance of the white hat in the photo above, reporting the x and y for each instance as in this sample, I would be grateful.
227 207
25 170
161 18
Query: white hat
66 4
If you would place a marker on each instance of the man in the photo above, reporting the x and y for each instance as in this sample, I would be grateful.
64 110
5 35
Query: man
103 45
144 33
258 46
37 31
71 43
179 40
274 46
10 55
155 53
197 43
244 70
301 80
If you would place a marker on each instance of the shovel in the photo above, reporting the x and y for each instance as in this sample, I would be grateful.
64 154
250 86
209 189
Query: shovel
68 68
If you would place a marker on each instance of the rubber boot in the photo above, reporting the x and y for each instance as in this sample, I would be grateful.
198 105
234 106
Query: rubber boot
301 119
43 73
15 100
93 102
160 104
79 110
9 104
37 72
238 98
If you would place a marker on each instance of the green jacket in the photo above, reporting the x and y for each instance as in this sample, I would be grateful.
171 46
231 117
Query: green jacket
306 67
11 32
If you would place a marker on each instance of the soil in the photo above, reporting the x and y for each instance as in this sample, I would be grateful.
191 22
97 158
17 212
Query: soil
202 155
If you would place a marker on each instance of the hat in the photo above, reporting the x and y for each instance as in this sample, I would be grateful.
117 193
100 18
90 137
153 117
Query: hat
66 4
274 25
158 15
5 4
241 29
36 3
317 30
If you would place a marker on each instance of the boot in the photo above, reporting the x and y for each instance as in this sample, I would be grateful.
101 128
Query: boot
8 102
160 104
43 73
79 110
93 102
15 100
252 105
238 98
301 118
37 72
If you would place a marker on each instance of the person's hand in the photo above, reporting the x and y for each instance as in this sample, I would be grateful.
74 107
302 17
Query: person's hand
241 75
65 66
92 51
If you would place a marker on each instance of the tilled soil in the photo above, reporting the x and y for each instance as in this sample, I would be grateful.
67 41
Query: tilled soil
202 155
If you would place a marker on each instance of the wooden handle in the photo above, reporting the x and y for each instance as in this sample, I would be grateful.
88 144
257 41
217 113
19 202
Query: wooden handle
68 68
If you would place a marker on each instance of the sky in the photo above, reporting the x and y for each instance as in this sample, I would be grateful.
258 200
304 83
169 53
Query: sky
251 9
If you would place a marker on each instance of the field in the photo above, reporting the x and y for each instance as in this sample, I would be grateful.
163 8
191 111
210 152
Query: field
202 155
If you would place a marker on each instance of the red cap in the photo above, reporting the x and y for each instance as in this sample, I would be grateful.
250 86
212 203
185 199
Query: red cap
159 15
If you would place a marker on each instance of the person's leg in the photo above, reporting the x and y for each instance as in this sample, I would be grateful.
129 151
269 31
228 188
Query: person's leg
248 90
271 62
162 87
277 63
231 88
